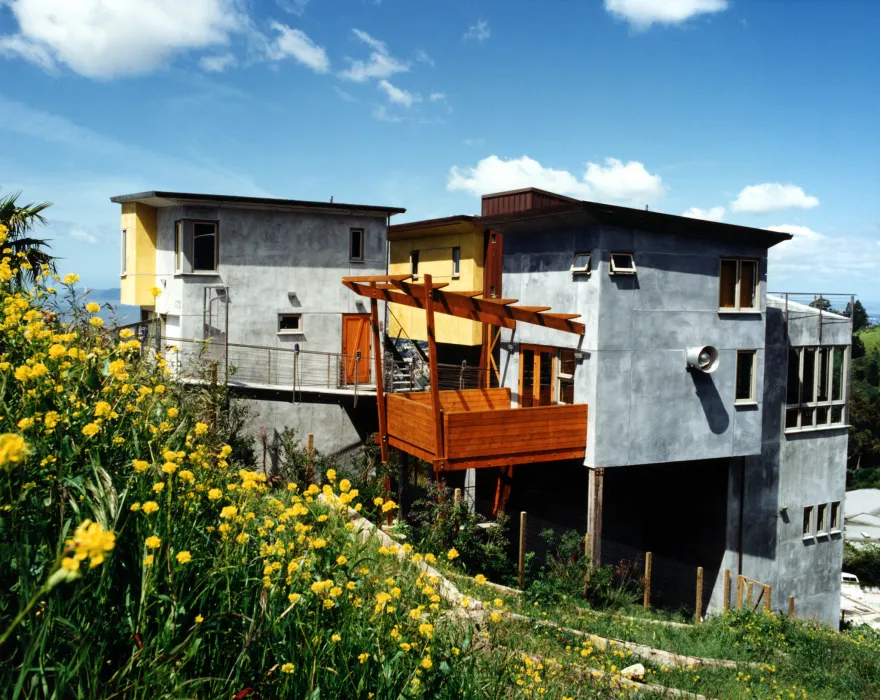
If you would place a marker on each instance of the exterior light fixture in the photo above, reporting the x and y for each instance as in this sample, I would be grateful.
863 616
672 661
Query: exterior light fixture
703 359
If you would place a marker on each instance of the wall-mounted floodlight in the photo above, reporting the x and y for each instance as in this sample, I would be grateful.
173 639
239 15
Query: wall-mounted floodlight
703 359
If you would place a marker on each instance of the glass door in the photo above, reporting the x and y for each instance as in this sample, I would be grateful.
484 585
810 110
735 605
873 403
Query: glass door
537 379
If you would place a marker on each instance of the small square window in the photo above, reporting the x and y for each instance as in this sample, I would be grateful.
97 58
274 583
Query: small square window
456 261
821 518
808 521
738 284
414 264
746 361
581 264
835 516
356 245
622 264
290 323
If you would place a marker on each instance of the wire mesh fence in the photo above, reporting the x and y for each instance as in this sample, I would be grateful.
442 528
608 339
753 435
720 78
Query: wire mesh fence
543 537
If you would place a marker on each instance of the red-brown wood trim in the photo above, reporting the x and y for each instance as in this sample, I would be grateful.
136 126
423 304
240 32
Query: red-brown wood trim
432 364
380 381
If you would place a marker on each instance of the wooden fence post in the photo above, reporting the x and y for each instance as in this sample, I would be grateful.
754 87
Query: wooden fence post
647 601
749 595
768 591
791 606
310 453
456 500
726 605
522 549
698 613
588 555
739 592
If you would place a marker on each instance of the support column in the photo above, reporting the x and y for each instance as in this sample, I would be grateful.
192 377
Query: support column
470 489
432 366
380 379
596 491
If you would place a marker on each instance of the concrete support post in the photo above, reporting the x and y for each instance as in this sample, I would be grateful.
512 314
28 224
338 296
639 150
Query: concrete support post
594 509
470 489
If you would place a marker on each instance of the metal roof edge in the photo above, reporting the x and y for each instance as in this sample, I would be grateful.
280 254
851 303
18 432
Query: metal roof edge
195 198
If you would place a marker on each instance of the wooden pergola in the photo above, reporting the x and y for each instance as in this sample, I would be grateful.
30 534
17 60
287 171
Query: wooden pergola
469 428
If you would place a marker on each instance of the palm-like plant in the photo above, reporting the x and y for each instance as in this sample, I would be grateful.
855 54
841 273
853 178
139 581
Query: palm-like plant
20 220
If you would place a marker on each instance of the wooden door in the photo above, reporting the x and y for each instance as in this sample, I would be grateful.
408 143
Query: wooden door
356 337
537 375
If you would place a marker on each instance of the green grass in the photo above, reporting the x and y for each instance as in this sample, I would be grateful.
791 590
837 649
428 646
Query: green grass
871 338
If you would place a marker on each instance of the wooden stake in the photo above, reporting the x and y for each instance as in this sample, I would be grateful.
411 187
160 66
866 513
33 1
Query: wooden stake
768 591
749 594
647 601
380 381
310 453
522 550
739 592
725 606
456 499
699 613
596 492
432 366
791 606
588 555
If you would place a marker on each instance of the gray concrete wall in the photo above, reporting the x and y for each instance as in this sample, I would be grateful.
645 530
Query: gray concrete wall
645 407
793 470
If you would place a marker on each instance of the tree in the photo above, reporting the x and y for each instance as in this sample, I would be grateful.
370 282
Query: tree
859 316
20 221
858 347
821 303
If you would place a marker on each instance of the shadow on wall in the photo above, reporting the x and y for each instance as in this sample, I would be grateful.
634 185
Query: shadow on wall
717 416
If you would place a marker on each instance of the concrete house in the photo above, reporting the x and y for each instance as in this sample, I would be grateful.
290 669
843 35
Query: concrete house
260 279
717 425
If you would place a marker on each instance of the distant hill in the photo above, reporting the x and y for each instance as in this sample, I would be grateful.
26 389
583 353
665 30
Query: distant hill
118 314
871 338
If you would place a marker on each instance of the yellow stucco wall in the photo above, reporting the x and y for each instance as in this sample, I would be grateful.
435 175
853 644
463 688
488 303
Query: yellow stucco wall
139 221
435 258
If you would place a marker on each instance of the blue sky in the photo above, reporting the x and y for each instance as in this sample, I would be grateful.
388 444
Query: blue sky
762 113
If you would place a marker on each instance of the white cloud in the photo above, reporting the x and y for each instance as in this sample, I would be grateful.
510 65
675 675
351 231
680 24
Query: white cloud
641 14
398 95
479 31
101 39
294 7
772 196
383 115
381 64
347 96
423 57
615 181
296 44
83 236
474 142
713 214
217 64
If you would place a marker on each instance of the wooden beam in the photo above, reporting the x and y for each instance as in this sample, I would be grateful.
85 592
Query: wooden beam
380 381
504 302
537 457
404 446
469 294
564 317
534 309
378 278
432 365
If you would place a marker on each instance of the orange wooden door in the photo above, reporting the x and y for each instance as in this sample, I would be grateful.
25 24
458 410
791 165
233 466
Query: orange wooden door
536 375
356 337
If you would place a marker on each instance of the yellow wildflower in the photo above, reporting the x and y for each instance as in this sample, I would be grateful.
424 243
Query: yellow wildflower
452 554
215 494
93 307
150 507
155 291
102 408
201 428
169 467
363 657
71 279
199 619
91 430
287 668
140 465
91 541
152 542
158 486
96 321
126 333
229 512
183 557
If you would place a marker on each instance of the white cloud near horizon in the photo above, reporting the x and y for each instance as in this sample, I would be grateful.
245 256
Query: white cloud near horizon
820 256
398 95
479 31
217 64
294 7
104 40
772 196
84 236
423 57
296 44
381 63
615 181
641 14
712 214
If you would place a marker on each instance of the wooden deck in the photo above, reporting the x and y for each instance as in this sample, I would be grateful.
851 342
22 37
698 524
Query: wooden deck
480 429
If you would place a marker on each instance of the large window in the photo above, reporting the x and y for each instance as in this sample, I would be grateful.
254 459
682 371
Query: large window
204 246
738 285
816 391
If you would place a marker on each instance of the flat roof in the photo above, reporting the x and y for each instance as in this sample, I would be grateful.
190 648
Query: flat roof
156 198
460 223
582 213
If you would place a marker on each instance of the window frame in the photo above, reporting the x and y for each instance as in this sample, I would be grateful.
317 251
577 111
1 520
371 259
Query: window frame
414 264
809 532
737 307
290 331
822 513
753 390
815 405
562 377
584 269
179 236
352 232
613 269
124 253
834 517
456 262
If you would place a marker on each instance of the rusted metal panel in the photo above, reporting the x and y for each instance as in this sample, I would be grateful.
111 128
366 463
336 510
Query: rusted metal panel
521 200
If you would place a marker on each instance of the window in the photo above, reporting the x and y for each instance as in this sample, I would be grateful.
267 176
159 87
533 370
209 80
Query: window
816 394
622 264
204 256
738 285
414 264
356 245
124 250
456 262
746 369
565 376
821 514
808 521
581 264
290 323
835 516
178 246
